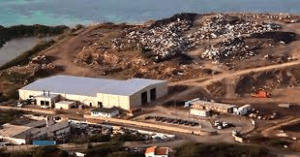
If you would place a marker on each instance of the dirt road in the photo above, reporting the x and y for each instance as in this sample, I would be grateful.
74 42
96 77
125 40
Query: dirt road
66 51
267 131
208 80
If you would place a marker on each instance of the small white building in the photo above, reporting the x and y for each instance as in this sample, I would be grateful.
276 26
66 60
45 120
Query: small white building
65 105
105 112
155 151
47 100
197 112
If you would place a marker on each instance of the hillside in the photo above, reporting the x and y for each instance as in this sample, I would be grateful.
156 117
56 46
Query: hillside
185 47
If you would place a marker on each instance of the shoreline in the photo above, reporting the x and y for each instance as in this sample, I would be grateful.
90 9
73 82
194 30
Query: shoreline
199 14
92 23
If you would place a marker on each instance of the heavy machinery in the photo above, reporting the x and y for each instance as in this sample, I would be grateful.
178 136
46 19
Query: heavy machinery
261 93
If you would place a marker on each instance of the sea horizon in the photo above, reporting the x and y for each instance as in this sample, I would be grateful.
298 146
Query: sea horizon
73 12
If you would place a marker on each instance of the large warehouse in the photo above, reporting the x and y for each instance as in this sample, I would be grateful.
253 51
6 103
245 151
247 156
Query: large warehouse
94 92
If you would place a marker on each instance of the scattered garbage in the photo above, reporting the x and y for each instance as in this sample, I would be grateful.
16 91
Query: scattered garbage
162 41
167 39
235 48
231 26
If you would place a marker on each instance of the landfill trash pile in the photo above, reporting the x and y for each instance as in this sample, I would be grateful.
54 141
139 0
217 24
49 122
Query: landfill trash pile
230 27
168 39
163 41
283 17
229 49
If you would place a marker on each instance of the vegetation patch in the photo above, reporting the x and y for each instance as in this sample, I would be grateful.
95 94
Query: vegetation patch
19 31
111 150
9 115
15 77
220 150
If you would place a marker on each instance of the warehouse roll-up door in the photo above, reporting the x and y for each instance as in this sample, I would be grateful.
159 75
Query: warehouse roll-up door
144 97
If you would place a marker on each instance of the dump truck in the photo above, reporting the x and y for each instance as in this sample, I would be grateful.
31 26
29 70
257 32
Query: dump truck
261 93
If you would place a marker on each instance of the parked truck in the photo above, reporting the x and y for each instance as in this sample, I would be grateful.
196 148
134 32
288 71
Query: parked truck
261 93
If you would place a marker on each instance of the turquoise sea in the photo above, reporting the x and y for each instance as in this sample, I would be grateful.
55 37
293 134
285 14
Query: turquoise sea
71 12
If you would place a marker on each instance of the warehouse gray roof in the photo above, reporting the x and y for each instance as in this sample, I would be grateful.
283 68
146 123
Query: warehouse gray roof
89 86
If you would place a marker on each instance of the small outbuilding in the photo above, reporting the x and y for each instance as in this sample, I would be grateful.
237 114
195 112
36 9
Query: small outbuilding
244 110
155 151
105 112
65 105
197 112
47 100
216 107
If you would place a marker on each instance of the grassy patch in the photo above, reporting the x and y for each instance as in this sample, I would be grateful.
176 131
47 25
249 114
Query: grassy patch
9 115
66 33
220 150
15 77
128 137
8 33
100 138
104 150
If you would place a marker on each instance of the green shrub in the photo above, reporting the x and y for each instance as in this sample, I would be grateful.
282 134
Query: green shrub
9 115
79 26
128 137
100 138
21 154
8 33
49 151
126 154
220 150
104 150
12 94
15 77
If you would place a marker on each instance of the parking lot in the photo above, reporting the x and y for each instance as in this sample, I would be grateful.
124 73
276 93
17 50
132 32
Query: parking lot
173 121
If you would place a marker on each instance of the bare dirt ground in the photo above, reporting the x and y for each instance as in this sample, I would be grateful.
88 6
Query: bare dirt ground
89 53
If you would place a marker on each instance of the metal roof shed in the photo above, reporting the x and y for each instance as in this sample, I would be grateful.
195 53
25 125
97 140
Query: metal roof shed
89 86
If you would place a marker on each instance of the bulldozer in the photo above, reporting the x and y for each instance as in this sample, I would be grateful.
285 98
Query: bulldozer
261 93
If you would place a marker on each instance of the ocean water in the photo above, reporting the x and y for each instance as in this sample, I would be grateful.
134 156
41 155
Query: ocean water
72 12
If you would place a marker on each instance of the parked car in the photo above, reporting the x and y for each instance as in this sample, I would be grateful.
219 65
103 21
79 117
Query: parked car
219 127
180 122
164 119
216 123
19 104
225 125
170 120
175 121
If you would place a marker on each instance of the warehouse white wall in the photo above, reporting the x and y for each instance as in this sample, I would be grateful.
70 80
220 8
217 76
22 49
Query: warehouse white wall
24 94
81 98
109 101
64 106
161 90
